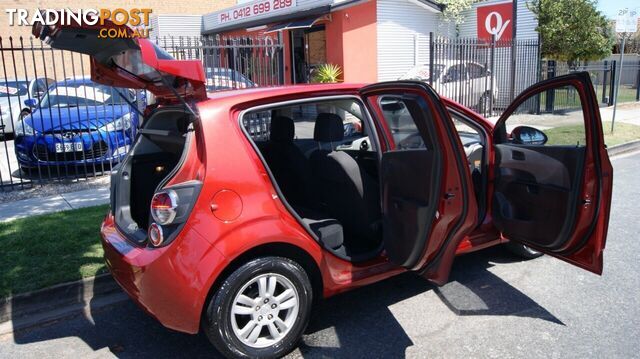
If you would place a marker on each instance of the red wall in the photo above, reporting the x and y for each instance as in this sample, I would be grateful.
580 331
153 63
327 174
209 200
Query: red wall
352 42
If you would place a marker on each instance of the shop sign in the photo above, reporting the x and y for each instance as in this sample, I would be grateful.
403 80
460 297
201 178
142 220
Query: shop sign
255 9
495 20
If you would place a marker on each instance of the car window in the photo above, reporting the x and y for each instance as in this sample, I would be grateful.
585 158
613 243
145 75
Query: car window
557 113
476 71
401 122
304 117
40 87
455 73
84 94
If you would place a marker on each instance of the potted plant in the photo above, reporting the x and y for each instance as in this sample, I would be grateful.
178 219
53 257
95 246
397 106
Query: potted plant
327 73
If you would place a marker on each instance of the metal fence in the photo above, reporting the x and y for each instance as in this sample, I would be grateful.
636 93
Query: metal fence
480 74
57 125
605 75
231 62
487 75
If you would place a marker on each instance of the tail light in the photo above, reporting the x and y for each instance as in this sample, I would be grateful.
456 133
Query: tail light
164 207
155 234
170 209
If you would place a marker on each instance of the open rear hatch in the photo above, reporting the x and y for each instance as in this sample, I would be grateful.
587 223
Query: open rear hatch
166 134
129 62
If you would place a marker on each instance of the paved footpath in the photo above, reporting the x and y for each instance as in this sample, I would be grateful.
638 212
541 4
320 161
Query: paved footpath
61 202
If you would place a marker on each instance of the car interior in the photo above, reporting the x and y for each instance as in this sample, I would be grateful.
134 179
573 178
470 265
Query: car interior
326 166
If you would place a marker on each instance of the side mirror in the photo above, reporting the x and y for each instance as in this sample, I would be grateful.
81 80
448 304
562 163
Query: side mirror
525 135
31 102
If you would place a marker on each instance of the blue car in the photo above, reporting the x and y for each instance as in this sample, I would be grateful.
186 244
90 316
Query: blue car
77 123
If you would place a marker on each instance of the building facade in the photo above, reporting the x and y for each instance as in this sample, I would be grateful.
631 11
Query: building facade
371 40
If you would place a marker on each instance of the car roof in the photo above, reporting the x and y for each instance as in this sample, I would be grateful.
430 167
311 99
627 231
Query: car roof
257 93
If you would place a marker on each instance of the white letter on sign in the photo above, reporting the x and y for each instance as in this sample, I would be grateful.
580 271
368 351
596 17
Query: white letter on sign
498 30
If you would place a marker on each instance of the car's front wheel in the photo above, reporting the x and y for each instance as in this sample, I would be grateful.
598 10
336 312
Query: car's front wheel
260 310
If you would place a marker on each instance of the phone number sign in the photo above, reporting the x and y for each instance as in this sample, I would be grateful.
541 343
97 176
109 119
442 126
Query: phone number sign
255 9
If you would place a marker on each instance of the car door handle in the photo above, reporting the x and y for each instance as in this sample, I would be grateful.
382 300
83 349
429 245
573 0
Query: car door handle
517 155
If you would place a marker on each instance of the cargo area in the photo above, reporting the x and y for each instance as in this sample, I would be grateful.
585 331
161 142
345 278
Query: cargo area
154 158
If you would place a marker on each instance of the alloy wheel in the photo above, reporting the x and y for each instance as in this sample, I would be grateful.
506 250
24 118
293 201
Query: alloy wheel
264 310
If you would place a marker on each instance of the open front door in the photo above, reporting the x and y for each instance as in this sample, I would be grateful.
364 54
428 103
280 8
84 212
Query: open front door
427 196
553 178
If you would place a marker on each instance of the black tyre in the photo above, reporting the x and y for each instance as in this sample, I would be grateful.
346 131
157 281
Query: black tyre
260 310
522 251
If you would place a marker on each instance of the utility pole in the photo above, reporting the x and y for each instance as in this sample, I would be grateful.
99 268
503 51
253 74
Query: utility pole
617 89
626 22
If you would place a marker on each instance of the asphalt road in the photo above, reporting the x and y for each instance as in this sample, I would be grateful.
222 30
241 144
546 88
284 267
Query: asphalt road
494 306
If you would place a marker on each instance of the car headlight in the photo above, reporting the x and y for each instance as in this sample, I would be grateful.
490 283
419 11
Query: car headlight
22 128
121 123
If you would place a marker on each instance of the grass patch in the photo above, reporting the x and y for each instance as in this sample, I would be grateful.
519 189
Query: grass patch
565 135
49 249
625 94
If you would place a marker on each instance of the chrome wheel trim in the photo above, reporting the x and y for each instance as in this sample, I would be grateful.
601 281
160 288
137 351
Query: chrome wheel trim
264 310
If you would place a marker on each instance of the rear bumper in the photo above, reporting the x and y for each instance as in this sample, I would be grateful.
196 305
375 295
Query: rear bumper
170 283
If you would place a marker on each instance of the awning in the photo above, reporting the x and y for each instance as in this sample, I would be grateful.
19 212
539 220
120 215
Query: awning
298 24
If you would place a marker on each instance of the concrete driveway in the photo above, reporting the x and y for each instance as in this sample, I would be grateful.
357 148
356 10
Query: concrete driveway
493 306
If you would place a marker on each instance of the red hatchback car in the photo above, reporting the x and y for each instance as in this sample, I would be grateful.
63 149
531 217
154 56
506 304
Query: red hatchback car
235 211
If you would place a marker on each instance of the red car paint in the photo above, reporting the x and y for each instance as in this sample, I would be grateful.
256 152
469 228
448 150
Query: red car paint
238 213
172 283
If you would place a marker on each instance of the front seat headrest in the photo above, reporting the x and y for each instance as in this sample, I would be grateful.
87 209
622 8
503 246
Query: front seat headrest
329 128
281 129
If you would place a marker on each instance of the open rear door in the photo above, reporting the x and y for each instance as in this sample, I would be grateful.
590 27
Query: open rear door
127 61
427 196
553 178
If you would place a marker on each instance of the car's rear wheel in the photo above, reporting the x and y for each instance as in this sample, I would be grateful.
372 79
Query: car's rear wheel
522 250
260 310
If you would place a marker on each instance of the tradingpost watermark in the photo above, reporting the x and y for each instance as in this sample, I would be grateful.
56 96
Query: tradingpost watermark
131 23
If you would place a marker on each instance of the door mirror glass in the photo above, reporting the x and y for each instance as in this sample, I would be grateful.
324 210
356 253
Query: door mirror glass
31 102
525 135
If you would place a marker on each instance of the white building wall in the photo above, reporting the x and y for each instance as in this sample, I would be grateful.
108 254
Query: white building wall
176 25
403 36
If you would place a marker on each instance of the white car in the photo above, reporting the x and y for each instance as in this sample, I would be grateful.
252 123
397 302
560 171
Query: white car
222 78
12 96
468 83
